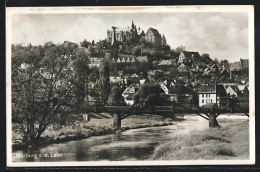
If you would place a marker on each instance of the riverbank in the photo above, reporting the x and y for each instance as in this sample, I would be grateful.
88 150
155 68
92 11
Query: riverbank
100 124
231 141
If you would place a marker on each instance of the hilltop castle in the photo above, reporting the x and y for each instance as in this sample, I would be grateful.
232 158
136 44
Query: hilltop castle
123 34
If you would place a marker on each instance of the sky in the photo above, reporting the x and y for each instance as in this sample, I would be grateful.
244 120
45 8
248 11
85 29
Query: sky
221 35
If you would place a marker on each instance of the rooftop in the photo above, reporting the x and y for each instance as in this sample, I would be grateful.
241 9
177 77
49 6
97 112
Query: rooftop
155 32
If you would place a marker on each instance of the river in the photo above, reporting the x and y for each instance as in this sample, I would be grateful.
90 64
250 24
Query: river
134 144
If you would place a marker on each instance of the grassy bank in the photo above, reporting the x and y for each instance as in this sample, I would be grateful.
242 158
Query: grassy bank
231 141
100 124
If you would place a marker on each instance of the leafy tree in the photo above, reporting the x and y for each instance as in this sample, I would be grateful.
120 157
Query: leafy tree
180 49
224 63
94 74
114 50
150 93
216 61
115 96
136 50
85 43
105 81
206 58
42 87
82 73
142 40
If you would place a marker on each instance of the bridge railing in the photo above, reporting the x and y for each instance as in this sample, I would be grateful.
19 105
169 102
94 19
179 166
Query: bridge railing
174 106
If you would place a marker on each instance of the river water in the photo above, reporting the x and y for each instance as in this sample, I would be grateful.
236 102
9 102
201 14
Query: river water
134 144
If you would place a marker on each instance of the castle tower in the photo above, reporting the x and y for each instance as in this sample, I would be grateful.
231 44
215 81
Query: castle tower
113 35
163 40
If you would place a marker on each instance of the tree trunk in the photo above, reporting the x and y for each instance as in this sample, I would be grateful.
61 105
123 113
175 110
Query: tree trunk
213 120
117 121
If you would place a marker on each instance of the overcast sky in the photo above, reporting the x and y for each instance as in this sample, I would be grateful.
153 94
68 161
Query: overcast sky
222 35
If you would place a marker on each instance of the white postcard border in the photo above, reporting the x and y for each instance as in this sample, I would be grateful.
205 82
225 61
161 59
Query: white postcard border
133 9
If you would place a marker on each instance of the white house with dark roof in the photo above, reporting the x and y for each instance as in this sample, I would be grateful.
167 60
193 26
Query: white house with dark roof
130 90
186 56
211 94
182 68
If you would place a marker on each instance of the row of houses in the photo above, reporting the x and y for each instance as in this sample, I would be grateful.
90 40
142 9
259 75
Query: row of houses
124 58
204 95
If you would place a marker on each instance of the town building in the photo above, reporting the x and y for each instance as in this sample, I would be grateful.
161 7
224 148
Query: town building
129 92
239 70
188 56
180 94
243 89
142 59
116 79
232 91
182 68
95 61
121 33
212 94
165 65
153 36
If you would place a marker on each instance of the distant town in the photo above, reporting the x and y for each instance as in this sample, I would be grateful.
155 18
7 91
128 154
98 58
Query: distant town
136 57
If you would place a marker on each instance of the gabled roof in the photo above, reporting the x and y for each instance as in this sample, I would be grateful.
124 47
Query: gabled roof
134 75
241 87
215 89
127 90
235 88
154 31
190 54
180 90
142 81
207 89
182 65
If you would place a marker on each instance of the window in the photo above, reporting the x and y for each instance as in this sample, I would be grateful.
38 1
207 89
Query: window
211 101
202 100
202 96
